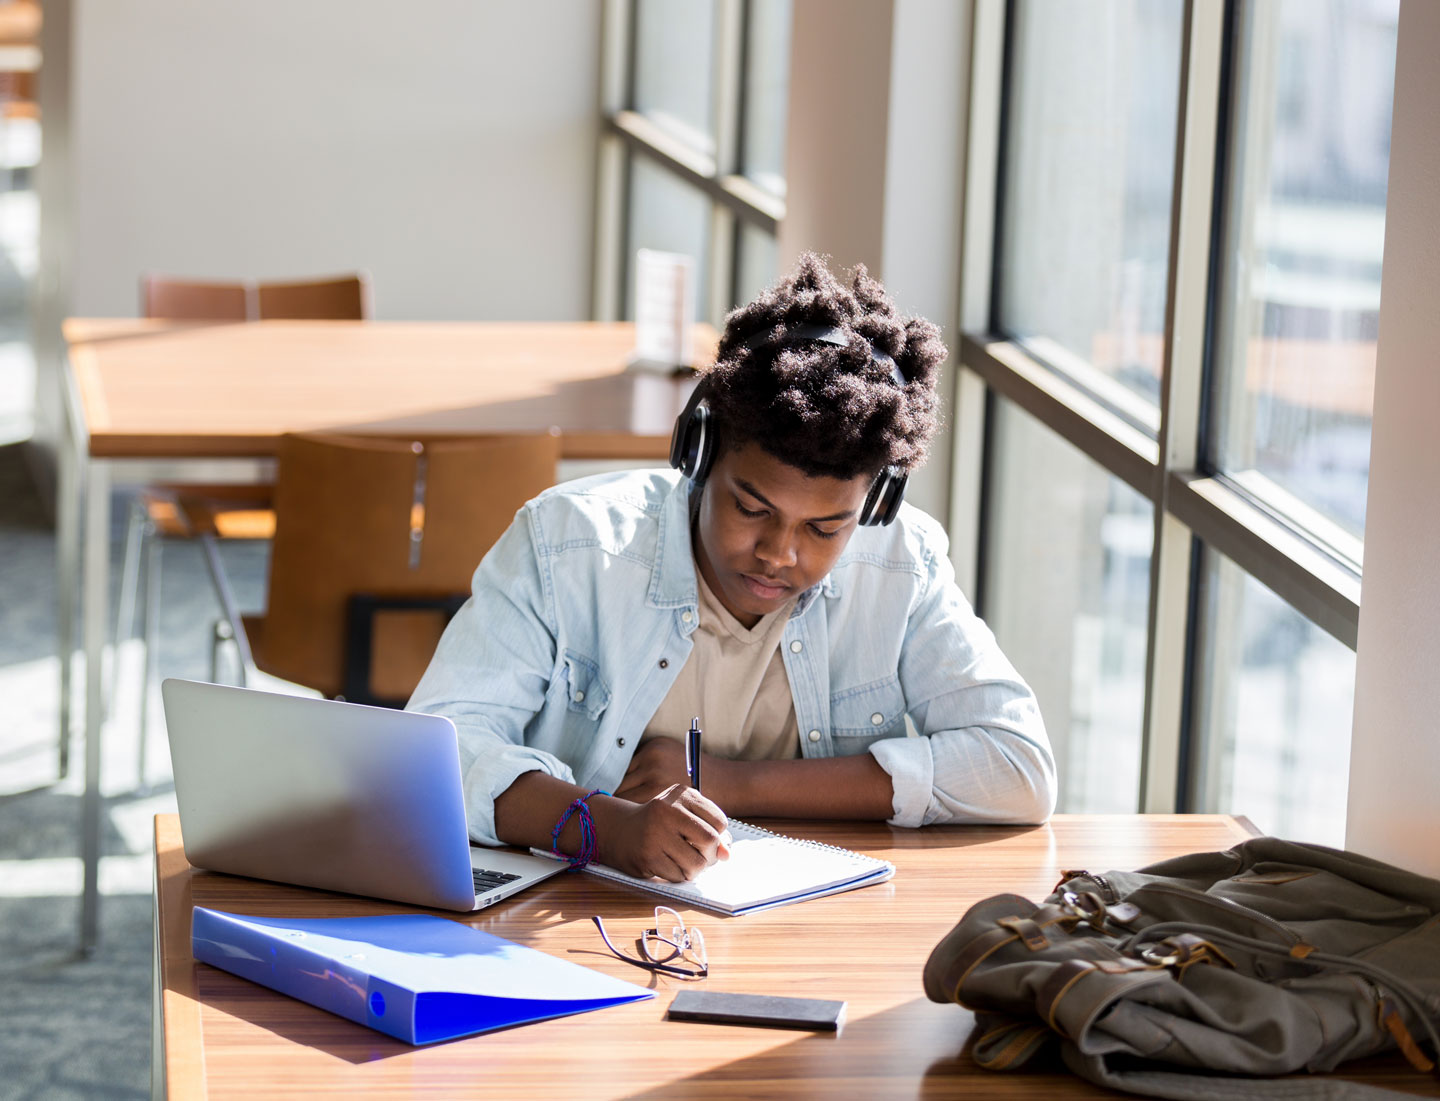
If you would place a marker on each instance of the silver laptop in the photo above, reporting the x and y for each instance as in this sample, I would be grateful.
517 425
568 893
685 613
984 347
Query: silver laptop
350 798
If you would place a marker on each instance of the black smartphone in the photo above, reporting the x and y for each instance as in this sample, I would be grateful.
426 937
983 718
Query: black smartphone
766 1010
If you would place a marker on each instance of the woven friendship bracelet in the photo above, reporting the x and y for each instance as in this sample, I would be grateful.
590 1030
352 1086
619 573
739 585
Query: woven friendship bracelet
588 847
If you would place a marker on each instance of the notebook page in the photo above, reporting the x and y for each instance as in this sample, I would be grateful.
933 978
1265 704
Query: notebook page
763 867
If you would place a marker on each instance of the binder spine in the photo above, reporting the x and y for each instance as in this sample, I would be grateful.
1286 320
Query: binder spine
281 960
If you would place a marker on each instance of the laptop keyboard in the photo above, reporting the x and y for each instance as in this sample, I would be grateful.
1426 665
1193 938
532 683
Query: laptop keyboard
487 880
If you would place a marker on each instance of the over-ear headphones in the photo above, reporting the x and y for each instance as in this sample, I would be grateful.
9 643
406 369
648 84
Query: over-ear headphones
693 442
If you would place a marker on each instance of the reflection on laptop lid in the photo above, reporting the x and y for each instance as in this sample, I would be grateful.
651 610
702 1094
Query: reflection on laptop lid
342 796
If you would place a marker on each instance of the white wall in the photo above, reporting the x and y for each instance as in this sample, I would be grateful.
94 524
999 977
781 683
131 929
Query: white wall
1394 808
929 71
877 97
447 147
835 156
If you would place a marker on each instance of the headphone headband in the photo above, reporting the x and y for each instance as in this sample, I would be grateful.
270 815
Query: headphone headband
692 443
825 334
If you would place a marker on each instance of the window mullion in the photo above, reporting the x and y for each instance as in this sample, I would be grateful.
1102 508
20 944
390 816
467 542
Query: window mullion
608 267
1063 406
729 82
979 180
617 55
1181 395
722 264
1320 586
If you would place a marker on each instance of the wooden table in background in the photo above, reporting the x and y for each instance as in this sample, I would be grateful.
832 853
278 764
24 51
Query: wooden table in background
167 389
221 1036
143 392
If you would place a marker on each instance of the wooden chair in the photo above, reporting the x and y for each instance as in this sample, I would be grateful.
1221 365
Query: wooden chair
376 540
343 298
187 511
189 300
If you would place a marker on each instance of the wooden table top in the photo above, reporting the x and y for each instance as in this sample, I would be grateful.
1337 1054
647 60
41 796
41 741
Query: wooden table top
165 389
225 1037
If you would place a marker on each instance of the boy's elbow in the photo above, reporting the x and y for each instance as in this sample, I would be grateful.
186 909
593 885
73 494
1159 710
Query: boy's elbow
1038 804
1030 800
1042 790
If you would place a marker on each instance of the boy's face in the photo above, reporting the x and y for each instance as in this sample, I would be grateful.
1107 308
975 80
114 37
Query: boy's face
766 531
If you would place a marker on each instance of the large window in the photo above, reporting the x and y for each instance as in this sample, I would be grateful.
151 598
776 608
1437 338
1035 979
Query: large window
1070 592
692 158
1088 184
1178 337
1274 695
1302 229
19 219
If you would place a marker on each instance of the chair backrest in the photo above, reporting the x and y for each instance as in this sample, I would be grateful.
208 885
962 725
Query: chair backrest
388 517
343 298
189 300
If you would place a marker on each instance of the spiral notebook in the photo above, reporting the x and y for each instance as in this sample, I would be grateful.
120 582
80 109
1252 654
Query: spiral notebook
764 870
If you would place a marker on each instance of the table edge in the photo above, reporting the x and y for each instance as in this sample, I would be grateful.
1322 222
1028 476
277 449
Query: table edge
182 1037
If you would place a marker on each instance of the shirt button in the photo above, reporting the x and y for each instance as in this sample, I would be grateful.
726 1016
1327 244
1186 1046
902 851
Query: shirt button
796 646
877 718
620 742
814 735
664 664
579 696
686 617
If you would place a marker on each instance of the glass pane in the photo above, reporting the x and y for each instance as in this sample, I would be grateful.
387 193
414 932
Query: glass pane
1273 711
767 82
1303 232
756 261
1089 167
19 254
674 52
1067 592
667 214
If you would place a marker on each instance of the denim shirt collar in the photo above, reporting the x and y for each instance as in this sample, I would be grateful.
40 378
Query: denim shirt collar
672 580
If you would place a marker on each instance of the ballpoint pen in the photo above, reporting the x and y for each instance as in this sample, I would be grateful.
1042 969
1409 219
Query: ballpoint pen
692 753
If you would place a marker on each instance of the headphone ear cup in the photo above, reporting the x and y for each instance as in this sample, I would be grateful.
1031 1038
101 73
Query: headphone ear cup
702 444
692 442
882 503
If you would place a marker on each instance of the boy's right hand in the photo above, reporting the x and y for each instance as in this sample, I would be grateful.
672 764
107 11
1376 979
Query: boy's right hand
675 836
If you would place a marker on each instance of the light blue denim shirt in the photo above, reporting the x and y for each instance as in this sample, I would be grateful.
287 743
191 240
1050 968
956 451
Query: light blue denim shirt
582 615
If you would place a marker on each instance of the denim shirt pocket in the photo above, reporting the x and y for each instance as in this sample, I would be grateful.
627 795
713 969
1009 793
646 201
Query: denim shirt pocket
875 710
585 690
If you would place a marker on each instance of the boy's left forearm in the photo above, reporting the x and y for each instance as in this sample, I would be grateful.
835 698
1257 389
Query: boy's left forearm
821 787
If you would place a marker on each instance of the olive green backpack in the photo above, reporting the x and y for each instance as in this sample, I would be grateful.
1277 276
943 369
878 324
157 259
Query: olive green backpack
1178 979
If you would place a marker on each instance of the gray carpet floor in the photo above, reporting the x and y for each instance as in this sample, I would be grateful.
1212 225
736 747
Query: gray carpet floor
71 1026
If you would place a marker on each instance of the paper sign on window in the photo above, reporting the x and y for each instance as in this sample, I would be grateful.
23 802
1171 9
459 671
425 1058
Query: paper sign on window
664 310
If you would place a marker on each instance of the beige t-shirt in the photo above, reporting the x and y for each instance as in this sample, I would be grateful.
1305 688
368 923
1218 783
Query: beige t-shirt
735 681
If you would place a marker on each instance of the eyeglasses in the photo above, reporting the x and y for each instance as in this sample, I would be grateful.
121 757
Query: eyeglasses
667 946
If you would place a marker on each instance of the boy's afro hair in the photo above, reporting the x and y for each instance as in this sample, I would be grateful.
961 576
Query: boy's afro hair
825 409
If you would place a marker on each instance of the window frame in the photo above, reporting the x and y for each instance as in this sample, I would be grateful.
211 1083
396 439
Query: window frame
1193 505
625 134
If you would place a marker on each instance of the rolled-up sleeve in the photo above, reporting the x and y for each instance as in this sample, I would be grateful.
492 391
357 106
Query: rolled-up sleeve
982 754
490 674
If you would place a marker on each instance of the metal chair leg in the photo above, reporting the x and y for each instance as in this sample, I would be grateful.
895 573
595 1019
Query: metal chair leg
152 645
130 570
224 639
138 535
230 609
220 634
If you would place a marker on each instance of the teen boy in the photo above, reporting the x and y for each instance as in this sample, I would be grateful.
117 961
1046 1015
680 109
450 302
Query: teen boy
774 586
